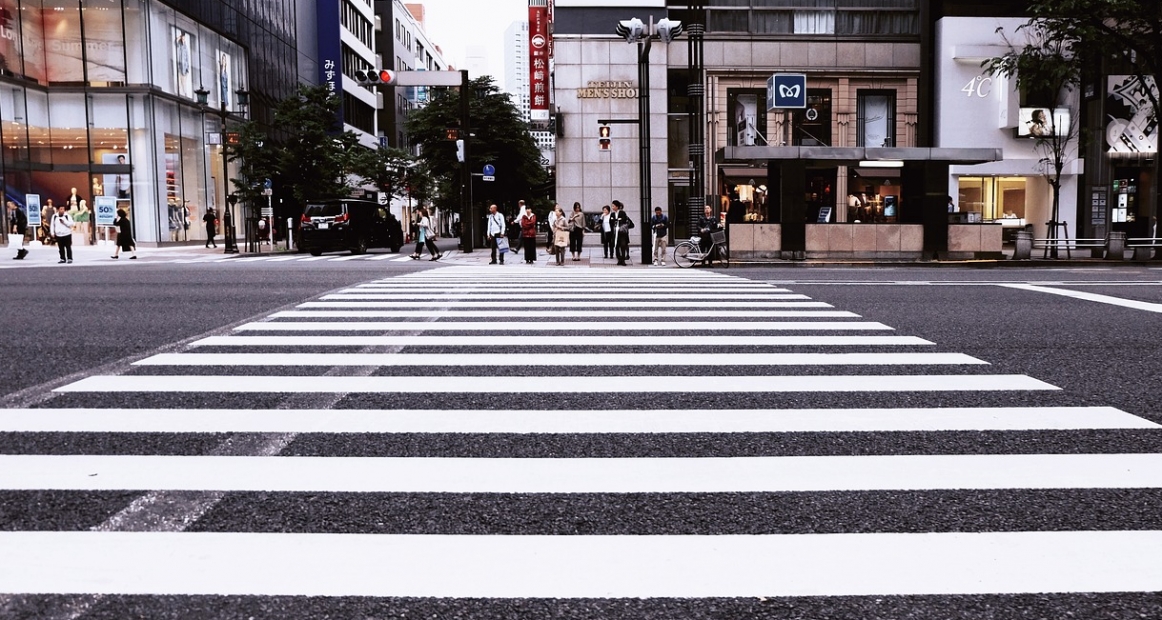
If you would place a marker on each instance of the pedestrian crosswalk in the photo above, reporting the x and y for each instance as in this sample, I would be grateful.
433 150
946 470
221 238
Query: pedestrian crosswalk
460 442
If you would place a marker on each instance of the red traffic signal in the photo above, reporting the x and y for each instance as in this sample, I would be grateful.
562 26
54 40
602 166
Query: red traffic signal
604 137
372 77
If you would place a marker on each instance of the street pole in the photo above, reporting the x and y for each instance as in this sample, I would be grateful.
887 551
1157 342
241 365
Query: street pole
643 116
467 217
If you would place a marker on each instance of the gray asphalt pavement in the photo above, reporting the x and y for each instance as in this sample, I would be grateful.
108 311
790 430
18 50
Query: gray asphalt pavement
1071 361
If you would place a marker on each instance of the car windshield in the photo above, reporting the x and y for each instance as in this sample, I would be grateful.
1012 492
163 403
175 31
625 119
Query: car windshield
324 210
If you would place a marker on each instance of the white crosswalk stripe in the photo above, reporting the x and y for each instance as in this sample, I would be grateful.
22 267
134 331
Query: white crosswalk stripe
472 435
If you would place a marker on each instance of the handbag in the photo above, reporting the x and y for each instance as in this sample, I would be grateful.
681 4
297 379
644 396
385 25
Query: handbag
501 244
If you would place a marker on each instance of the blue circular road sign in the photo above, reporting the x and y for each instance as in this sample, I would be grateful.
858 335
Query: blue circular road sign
489 170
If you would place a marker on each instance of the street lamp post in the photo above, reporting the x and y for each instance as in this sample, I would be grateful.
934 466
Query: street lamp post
243 98
635 31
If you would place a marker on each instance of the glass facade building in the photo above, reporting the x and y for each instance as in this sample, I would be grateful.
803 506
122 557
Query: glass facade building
99 103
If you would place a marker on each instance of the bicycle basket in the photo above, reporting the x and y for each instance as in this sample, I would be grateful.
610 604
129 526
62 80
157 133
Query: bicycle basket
718 236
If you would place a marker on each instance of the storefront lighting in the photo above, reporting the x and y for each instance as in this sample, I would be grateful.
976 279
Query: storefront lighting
881 163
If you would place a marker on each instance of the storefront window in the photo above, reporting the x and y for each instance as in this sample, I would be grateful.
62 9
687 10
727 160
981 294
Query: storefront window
994 198
877 118
748 116
136 36
10 53
812 126
13 124
104 47
873 195
108 125
32 42
64 52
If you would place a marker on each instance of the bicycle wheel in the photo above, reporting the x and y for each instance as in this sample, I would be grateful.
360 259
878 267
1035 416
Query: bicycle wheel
686 254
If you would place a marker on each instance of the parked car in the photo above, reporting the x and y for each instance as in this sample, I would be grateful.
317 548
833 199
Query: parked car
348 224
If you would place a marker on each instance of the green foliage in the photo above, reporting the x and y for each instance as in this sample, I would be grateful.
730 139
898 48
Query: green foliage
258 160
1129 31
318 159
500 138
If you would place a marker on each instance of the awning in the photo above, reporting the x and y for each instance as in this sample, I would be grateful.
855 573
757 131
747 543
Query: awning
853 155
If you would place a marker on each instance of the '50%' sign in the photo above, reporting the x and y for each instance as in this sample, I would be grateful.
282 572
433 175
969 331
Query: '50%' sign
106 210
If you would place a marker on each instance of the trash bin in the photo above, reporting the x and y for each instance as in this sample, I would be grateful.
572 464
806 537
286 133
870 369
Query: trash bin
1024 245
1116 246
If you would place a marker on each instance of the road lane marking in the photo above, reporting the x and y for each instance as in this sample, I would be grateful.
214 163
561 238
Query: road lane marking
503 297
565 313
572 421
1095 297
563 567
583 326
764 474
596 305
602 360
232 384
687 340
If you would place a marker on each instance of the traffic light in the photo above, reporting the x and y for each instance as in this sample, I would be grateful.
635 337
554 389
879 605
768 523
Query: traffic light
604 137
371 77
460 151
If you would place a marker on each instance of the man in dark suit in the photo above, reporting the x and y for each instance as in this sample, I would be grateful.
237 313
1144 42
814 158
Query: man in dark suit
620 223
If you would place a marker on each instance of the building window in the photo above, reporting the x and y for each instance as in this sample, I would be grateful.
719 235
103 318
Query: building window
814 22
747 123
812 126
876 111
994 198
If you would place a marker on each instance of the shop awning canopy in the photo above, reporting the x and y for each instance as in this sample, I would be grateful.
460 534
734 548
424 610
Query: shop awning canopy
854 155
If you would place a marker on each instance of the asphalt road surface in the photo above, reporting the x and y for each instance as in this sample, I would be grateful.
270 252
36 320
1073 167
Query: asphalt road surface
402 439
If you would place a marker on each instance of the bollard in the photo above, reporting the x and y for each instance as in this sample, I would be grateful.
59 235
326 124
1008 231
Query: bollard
1116 246
1024 245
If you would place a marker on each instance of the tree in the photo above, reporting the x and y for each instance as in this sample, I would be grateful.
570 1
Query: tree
386 168
500 137
1045 68
258 160
1126 33
318 159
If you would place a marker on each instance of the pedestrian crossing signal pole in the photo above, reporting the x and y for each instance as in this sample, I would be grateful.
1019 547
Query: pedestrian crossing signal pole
467 217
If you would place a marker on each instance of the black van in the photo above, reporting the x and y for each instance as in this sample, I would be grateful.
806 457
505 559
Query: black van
348 224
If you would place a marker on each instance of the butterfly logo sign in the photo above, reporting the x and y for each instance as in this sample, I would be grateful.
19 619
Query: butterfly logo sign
787 90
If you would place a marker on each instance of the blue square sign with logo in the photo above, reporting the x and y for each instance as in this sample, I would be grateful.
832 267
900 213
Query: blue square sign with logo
787 90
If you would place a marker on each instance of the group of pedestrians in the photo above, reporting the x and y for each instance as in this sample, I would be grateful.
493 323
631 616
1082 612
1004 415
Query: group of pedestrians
60 231
425 236
566 233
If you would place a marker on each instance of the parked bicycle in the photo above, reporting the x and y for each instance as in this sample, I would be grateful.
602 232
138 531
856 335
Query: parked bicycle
689 253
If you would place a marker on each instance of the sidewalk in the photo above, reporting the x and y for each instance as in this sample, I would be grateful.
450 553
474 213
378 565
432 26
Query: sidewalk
39 254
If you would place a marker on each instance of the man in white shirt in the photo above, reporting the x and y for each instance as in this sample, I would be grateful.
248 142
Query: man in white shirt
61 229
495 231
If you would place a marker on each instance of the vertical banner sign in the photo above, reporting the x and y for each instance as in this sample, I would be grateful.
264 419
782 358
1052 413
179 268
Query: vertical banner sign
539 60
330 50
106 207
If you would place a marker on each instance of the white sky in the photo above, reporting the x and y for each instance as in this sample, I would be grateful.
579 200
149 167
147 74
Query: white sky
455 25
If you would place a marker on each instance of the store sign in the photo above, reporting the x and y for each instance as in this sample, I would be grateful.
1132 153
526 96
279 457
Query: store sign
539 45
1132 126
106 207
330 49
787 90
607 90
